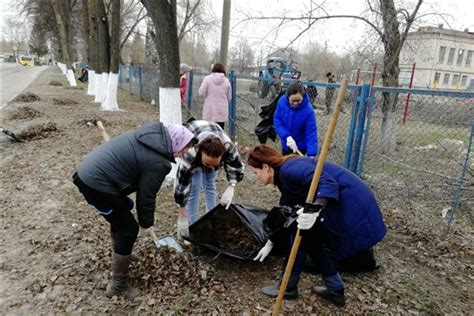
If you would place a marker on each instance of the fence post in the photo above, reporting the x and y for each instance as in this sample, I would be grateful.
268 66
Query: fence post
120 76
130 74
407 103
232 105
459 186
189 90
360 126
140 83
360 164
350 137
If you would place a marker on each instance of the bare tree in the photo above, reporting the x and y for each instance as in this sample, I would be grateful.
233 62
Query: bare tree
37 42
15 33
137 50
163 16
241 56
132 13
192 15
62 10
40 12
110 102
390 24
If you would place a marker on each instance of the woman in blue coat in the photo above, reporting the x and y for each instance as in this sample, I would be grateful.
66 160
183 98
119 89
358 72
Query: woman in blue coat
349 222
295 123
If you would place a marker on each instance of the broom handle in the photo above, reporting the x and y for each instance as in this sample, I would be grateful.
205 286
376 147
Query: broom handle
312 190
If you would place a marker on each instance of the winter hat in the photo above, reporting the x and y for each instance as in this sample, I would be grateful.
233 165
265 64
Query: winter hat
180 137
184 67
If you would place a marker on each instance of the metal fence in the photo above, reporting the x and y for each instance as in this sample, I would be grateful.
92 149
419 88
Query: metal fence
141 81
421 151
418 150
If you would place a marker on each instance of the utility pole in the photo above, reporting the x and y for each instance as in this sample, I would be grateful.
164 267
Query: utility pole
225 33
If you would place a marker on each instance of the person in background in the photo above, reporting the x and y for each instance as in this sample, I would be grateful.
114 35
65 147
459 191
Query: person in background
329 92
137 161
183 81
295 122
217 93
343 222
198 168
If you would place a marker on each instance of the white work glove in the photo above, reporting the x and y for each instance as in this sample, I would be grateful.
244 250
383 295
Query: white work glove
143 232
182 227
228 196
306 220
264 252
290 142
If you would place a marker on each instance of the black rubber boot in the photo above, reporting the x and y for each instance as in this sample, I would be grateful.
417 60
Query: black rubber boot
336 297
272 291
118 285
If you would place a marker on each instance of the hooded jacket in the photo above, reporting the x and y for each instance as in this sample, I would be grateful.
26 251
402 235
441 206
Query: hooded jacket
352 216
217 93
137 161
297 122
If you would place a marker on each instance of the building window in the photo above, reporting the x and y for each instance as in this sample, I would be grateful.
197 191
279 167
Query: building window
460 56
463 80
451 56
469 58
446 79
442 52
437 77
455 80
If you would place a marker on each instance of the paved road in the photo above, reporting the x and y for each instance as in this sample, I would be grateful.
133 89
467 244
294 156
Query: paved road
15 78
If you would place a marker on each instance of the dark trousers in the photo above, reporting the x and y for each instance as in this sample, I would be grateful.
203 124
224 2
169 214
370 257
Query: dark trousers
116 210
314 245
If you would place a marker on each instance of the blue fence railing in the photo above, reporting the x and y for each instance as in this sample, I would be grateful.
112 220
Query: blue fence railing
410 142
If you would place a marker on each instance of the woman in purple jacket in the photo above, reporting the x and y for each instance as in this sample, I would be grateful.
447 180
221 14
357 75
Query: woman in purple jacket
217 93
346 222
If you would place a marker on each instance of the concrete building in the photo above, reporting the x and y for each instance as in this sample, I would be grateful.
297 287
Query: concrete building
444 58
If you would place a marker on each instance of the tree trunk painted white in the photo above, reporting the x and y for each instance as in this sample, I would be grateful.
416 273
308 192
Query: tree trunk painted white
170 106
63 68
105 82
91 83
98 88
387 136
170 112
71 78
110 102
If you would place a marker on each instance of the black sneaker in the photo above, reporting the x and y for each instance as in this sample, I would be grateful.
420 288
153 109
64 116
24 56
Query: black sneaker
335 297
272 291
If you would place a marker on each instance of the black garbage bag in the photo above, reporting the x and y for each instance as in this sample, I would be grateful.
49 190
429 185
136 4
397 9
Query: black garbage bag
264 129
280 225
237 232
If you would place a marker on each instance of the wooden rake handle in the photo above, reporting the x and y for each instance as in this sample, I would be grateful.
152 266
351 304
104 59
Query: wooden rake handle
102 130
312 190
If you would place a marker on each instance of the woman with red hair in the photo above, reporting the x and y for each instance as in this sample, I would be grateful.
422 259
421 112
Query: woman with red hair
345 221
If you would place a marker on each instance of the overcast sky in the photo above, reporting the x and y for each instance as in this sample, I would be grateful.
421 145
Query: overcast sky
338 34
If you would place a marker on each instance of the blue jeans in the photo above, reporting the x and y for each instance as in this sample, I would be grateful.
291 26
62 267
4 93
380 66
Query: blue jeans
206 180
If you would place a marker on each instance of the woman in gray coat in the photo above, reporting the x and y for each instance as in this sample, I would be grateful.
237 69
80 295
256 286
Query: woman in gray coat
137 161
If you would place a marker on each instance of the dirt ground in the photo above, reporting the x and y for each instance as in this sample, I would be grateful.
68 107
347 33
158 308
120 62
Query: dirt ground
55 251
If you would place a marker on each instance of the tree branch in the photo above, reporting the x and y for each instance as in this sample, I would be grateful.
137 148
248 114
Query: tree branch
132 28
